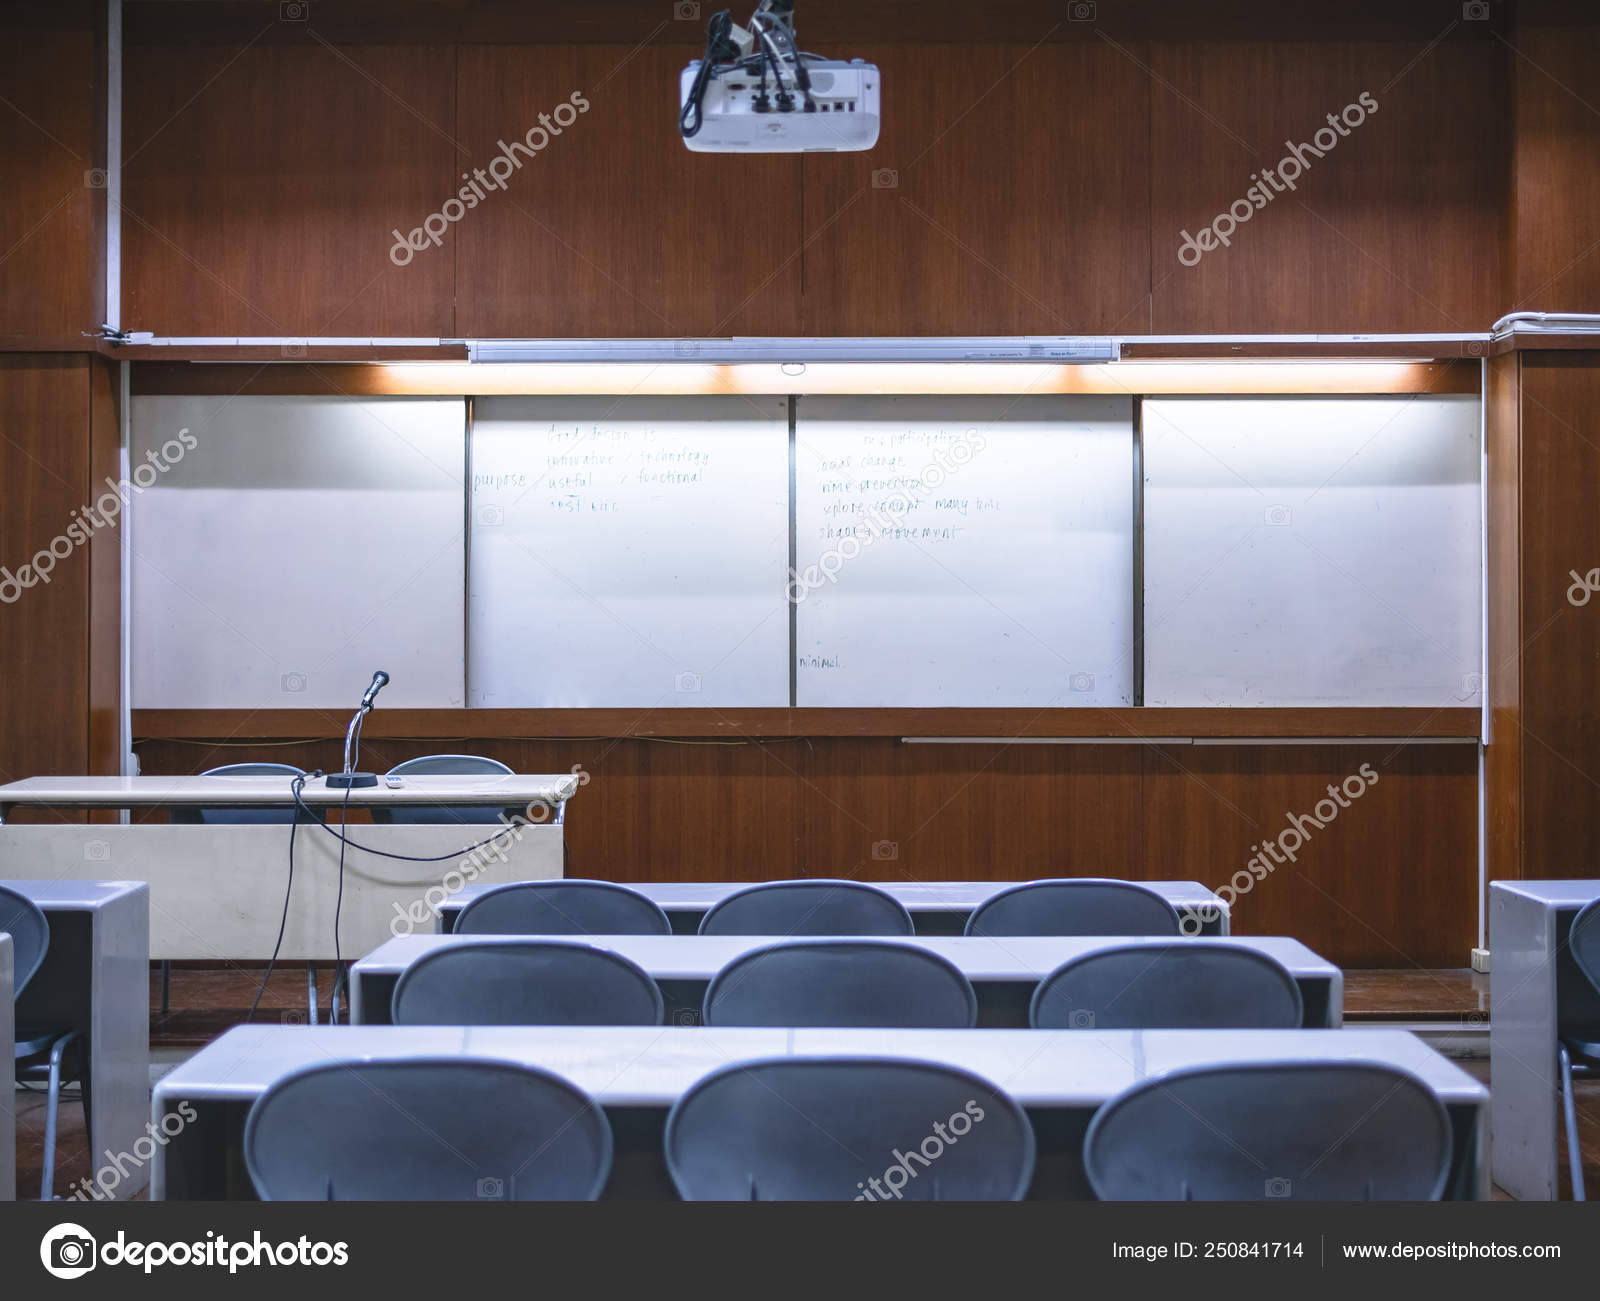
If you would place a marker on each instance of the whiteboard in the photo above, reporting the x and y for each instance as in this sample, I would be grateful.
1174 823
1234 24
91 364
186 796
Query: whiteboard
964 551
1313 551
297 546
629 552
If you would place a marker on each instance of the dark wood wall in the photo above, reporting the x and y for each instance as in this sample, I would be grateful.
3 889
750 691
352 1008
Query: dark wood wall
1034 175
1391 882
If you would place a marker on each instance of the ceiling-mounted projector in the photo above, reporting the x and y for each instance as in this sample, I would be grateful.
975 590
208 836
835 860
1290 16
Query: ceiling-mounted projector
755 92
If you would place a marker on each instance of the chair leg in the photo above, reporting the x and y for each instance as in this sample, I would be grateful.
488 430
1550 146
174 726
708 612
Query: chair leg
86 1093
1569 1110
52 1104
311 994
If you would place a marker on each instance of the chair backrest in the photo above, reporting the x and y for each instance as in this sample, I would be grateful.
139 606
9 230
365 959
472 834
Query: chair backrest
1192 984
1583 942
1084 906
848 1129
24 921
564 907
841 983
444 765
814 907
1333 1130
426 1129
525 982
242 817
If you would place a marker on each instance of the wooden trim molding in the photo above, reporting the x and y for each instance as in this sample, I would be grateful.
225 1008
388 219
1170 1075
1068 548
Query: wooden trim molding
1126 724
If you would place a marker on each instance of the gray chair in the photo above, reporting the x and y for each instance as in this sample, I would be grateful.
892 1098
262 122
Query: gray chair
1080 906
1190 984
525 982
813 907
841 983
40 1050
447 765
222 815
1579 1046
426 1129
1334 1131
562 907
848 1129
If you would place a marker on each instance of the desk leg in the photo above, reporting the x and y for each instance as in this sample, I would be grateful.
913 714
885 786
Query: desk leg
119 1044
1522 1046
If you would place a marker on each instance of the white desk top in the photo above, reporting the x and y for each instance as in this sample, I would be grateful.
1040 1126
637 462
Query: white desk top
653 1065
917 896
74 896
1553 894
273 791
699 957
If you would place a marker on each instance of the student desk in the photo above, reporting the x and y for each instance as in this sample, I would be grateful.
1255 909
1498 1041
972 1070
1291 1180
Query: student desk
96 980
637 1072
1534 987
1003 971
217 891
8 1101
936 907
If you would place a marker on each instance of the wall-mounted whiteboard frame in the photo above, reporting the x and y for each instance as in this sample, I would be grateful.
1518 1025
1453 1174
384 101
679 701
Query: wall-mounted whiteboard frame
1310 552
290 546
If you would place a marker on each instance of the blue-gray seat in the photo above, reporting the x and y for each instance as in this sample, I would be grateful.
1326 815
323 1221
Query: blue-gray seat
426 1129
223 815
1078 906
1579 1046
525 982
40 1051
1334 1130
841 983
1189 984
445 765
810 907
848 1129
564 907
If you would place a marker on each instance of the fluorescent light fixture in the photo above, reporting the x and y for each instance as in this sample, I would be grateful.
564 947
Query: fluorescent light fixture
736 351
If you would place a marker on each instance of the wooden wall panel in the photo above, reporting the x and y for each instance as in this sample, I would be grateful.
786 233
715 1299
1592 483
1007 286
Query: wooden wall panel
1391 881
613 228
1556 185
1401 226
1560 642
51 222
1007 194
44 467
261 185
1502 755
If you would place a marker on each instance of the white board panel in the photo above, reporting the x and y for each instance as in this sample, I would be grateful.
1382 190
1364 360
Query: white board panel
964 551
1313 551
300 544
629 552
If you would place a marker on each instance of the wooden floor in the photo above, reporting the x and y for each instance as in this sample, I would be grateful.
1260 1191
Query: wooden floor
205 1001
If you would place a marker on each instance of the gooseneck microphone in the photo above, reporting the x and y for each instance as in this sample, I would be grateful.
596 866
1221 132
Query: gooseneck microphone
350 778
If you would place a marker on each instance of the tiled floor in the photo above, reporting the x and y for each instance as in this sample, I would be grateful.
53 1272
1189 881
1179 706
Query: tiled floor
206 1002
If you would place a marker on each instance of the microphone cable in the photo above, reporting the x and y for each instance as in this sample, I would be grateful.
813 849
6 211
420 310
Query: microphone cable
288 891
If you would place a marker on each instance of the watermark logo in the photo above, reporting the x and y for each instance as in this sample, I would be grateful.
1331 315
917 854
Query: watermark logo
1269 855
480 181
1583 587
908 1165
1270 182
68 1251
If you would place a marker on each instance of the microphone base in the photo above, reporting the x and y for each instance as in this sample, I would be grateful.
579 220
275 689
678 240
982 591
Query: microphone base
340 781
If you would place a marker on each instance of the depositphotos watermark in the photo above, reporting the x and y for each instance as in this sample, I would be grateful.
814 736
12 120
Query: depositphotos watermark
71 1251
85 520
946 1133
1271 854
1273 181
885 518
423 911
103 1184
482 179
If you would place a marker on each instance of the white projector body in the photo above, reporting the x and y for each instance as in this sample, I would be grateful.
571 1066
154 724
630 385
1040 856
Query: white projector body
847 118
